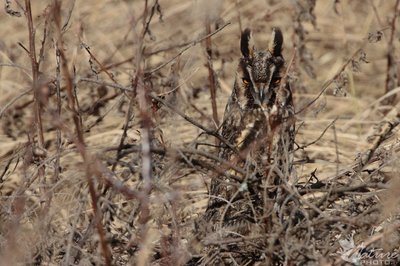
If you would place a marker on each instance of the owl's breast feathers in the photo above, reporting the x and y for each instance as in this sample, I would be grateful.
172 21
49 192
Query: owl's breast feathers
248 126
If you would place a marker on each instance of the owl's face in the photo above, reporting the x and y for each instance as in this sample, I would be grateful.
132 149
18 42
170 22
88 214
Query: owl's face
259 70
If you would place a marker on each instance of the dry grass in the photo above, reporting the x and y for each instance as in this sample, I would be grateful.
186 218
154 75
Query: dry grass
80 183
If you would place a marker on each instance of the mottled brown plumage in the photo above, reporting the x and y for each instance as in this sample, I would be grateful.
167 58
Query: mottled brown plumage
259 123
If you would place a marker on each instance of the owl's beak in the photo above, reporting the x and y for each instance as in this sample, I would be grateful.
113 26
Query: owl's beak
261 92
258 91
256 95
255 91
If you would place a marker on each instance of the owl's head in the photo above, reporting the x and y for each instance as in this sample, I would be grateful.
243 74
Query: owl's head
259 70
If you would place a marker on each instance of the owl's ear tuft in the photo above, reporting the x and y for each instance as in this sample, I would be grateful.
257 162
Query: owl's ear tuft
245 43
275 46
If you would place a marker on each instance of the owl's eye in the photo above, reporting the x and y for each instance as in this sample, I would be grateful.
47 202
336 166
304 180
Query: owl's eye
245 81
277 81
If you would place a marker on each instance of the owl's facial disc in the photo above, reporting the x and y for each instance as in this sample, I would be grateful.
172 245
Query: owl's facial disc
260 67
259 88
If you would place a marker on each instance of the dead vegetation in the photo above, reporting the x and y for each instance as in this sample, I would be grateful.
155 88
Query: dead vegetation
110 118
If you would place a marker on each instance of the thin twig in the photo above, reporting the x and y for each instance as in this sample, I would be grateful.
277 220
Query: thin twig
64 27
43 42
386 131
102 67
13 100
391 73
344 189
237 6
24 69
143 91
319 137
193 43
378 18
58 131
211 76
335 137
329 82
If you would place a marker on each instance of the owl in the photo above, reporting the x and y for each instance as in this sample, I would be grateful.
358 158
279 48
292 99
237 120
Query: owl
258 129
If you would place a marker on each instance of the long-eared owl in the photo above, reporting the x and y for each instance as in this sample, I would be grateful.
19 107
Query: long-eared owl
259 126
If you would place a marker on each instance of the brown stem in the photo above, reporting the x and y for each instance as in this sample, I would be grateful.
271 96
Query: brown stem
391 74
35 71
79 141
102 67
35 85
211 75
